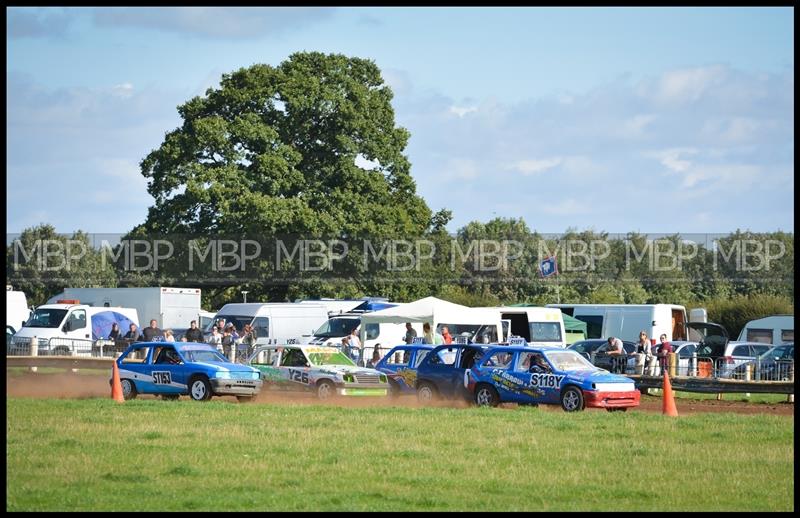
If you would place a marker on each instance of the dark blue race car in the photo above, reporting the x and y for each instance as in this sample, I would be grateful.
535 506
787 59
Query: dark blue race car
172 369
400 365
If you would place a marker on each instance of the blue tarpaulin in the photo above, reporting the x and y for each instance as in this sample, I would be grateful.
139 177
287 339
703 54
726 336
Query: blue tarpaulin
102 322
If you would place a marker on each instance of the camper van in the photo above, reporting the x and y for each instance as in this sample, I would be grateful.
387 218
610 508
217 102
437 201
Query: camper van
537 325
70 328
17 310
775 330
625 321
273 320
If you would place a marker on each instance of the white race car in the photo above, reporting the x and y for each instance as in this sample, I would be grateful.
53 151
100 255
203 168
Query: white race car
324 371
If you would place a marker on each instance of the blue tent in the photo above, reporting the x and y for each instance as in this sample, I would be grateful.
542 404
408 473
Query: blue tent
102 321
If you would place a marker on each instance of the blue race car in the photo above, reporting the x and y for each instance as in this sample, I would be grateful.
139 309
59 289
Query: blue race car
172 369
400 365
534 375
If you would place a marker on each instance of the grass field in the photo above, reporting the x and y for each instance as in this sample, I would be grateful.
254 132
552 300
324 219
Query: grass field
94 454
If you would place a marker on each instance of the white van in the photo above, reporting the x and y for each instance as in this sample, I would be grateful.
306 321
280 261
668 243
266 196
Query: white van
625 321
385 335
539 326
70 328
17 310
775 330
273 320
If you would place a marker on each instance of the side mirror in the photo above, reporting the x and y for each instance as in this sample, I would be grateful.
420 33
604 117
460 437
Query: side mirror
67 327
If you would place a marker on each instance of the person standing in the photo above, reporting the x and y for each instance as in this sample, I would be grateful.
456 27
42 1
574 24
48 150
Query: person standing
215 339
115 333
194 334
644 355
168 336
446 337
617 351
149 333
132 334
411 333
663 353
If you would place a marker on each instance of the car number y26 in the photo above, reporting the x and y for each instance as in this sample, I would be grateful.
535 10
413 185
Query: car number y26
299 376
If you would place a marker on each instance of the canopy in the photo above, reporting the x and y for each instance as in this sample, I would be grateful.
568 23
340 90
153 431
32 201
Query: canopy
573 324
434 311
102 322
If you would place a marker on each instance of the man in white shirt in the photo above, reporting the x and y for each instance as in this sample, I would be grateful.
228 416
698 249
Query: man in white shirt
616 349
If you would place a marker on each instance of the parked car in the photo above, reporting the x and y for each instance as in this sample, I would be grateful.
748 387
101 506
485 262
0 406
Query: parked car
537 375
323 371
400 365
599 346
728 356
442 373
172 369
776 364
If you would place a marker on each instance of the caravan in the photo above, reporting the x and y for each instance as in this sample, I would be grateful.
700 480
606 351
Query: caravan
625 321
775 330
537 325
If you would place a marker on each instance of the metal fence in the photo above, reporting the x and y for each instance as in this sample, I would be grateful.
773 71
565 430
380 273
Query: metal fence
65 347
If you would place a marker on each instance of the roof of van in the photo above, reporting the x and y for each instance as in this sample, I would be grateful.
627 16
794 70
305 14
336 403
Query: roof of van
252 308
612 305
766 320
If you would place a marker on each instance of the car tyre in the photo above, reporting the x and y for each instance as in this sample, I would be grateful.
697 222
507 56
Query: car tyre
128 389
572 399
200 389
426 393
325 390
486 395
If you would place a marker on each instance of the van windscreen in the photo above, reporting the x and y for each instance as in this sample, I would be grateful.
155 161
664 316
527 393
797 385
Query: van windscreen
46 317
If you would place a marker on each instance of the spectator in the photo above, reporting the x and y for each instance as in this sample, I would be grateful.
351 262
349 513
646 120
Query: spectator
446 338
215 339
376 357
354 340
645 361
663 352
194 334
429 336
227 341
249 339
149 333
411 333
221 324
115 333
616 349
133 334
168 336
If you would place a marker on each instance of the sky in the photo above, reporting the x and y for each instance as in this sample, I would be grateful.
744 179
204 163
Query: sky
656 120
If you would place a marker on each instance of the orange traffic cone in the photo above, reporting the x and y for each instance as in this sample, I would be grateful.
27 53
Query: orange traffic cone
116 386
668 405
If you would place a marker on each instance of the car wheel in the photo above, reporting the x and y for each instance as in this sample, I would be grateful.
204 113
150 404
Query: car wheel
426 393
200 389
486 395
170 397
128 389
325 390
244 399
572 399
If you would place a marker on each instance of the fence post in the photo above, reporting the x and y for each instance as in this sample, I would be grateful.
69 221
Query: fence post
34 351
693 365
232 353
672 363
747 377
790 398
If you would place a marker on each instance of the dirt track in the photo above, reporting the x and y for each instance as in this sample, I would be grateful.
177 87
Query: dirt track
79 386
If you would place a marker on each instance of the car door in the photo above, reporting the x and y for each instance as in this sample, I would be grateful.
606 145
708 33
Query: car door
537 388
511 382
294 368
135 365
168 377
446 370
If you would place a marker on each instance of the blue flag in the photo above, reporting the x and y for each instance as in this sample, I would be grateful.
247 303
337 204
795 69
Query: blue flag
548 267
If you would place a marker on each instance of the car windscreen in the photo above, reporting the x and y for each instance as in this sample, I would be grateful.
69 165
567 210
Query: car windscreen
586 346
237 320
332 357
46 317
337 327
203 355
545 331
568 361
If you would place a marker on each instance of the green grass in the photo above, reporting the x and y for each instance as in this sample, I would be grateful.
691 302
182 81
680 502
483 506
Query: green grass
96 455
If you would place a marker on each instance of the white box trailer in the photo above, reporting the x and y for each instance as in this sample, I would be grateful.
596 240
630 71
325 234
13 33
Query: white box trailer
273 320
17 310
775 330
537 325
172 308
625 321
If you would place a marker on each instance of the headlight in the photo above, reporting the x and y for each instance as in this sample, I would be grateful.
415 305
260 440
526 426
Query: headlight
225 375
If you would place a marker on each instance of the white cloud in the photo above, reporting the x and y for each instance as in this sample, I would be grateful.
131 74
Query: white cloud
124 90
688 84
462 110
531 167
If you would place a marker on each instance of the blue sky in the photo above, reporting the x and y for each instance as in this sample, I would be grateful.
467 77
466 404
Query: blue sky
614 119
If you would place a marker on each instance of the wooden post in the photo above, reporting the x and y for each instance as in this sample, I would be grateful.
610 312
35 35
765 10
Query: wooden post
747 377
672 364
34 351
